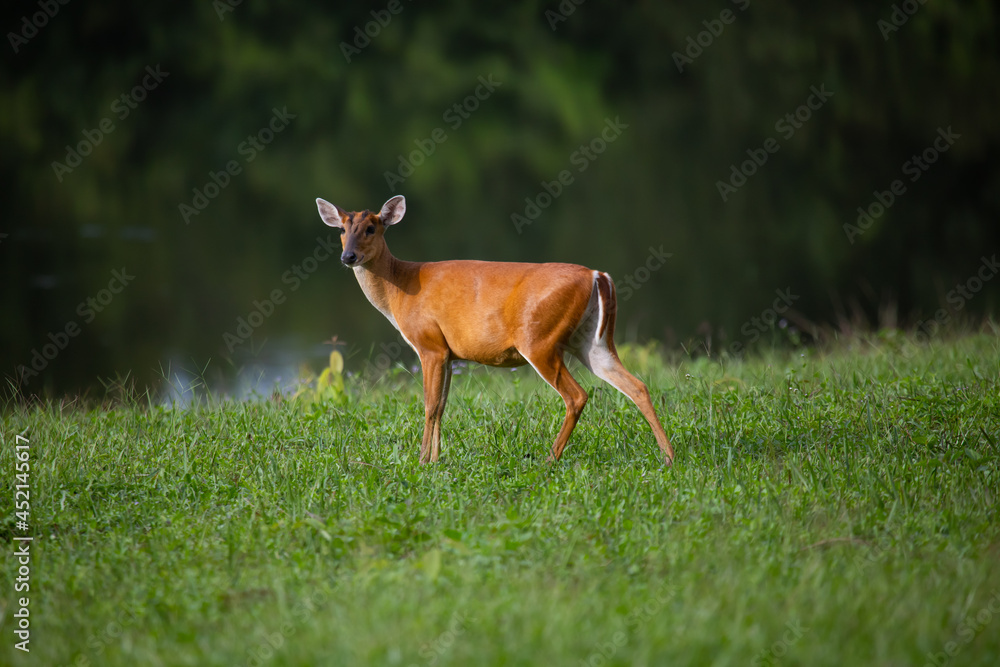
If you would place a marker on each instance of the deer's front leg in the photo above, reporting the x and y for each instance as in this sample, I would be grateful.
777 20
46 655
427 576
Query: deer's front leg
437 378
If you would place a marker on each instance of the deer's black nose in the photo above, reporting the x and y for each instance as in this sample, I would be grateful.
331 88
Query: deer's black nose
349 258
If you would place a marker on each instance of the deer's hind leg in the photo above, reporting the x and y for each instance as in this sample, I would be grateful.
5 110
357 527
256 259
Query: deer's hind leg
593 343
552 368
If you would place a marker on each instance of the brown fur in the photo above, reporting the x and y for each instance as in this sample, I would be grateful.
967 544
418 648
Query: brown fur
494 313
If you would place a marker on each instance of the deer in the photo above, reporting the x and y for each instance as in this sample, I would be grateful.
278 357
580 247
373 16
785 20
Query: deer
504 314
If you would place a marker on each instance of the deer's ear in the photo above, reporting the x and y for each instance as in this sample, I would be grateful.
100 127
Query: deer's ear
331 215
393 210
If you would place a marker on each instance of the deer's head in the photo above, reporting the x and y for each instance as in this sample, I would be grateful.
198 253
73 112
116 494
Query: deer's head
361 232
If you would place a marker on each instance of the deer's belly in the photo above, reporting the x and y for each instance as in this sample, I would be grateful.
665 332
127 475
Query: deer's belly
505 358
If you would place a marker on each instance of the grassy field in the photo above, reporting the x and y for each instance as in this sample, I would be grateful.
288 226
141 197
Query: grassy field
836 508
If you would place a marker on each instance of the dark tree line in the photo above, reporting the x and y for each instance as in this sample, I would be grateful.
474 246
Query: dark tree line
840 153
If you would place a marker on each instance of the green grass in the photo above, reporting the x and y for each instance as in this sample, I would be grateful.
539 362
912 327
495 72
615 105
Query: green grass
833 508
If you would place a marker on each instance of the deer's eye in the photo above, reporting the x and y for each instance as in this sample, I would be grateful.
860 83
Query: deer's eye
370 230
342 230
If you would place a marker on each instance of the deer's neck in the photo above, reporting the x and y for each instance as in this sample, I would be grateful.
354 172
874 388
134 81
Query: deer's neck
380 281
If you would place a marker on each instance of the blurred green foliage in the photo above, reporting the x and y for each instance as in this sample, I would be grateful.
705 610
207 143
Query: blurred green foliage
229 68
316 392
